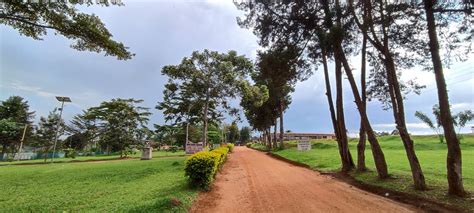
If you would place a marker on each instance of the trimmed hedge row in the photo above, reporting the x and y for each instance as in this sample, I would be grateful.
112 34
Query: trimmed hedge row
202 167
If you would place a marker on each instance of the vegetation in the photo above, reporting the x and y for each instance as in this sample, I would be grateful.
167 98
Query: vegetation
100 157
330 30
202 167
87 31
323 157
118 186
200 87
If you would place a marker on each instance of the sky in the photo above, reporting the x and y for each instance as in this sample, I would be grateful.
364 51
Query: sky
162 33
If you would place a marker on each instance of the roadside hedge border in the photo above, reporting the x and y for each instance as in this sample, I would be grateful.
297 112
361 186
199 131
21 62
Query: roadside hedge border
202 167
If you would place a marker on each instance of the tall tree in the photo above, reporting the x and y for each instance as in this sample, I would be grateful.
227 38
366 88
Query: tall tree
233 133
204 83
14 115
379 27
245 134
87 31
454 160
300 23
122 120
46 132
279 68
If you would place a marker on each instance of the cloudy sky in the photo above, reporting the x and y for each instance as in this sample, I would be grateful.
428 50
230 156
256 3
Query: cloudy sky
162 33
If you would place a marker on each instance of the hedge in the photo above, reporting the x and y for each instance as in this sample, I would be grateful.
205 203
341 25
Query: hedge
202 167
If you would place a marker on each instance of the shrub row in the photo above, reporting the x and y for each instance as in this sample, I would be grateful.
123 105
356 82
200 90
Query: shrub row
202 167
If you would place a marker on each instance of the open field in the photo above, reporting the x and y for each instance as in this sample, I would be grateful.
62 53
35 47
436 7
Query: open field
123 186
324 156
92 158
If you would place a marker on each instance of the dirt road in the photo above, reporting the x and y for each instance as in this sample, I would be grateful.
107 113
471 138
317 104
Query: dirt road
252 181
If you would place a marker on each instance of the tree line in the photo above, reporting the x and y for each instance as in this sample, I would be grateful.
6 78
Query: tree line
391 38
297 37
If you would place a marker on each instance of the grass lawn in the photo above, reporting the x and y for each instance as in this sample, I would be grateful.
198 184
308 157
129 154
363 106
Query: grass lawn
324 156
93 158
123 185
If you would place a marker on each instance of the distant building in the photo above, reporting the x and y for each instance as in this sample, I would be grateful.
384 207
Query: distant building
305 136
472 129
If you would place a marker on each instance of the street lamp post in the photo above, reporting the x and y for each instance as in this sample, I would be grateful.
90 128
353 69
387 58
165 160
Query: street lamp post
62 100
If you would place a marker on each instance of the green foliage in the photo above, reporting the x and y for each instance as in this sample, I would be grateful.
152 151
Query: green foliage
70 153
87 31
202 167
46 131
200 87
231 147
245 134
14 115
121 122
233 133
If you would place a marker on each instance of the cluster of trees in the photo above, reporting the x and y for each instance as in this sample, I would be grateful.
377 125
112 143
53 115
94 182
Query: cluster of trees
390 37
114 126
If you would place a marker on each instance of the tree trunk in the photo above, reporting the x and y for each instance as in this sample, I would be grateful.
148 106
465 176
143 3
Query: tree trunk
4 150
331 104
399 116
379 157
282 130
205 119
275 141
454 161
363 90
347 162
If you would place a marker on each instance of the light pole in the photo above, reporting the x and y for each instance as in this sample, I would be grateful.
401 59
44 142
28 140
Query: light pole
62 100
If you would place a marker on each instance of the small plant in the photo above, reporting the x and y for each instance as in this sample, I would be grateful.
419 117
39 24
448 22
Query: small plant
231 147
70 153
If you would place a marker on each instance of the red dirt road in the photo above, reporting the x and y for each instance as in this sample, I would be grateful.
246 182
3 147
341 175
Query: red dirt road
252 181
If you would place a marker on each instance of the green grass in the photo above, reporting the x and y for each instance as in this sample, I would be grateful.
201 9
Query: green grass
324 156
122 185
93 158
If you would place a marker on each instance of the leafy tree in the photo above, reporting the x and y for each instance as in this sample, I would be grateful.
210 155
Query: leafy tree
279 69
318 28
76 141
87 31
84 129
46 131
245 134
14 115
425 119
122 121
201 86
461 119
233 133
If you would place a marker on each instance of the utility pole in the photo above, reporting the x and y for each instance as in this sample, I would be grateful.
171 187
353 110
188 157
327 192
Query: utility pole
62 100
21 142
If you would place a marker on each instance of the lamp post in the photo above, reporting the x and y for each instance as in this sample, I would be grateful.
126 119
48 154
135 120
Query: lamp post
62 100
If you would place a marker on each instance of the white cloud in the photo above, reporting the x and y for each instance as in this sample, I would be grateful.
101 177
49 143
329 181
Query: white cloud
462 106
20 86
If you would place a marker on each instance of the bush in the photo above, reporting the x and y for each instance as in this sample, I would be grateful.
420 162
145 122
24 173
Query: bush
202 167
222 151
231 147
70 153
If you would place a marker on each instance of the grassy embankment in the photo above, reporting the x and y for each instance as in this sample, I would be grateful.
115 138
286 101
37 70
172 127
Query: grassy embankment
156 154
324 156
112 186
